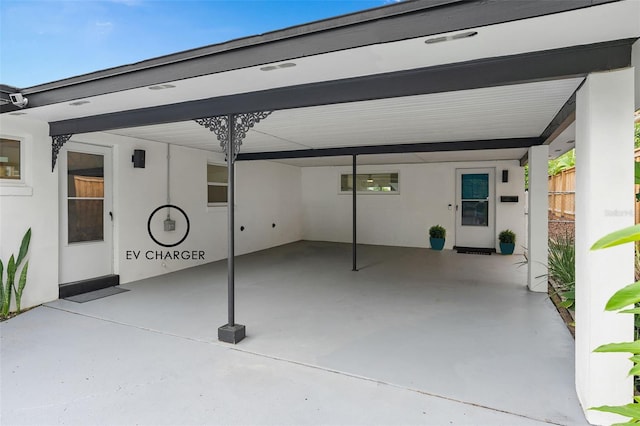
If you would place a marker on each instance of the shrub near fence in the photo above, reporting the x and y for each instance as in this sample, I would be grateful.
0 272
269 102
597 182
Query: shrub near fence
562 193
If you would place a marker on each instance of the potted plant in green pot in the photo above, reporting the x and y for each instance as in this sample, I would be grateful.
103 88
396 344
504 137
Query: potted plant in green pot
437 236
507 240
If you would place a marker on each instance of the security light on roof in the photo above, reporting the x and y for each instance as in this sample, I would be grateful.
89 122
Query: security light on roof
18 100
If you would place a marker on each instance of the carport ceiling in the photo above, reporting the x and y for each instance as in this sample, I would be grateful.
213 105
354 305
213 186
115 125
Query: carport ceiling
515 111
500 73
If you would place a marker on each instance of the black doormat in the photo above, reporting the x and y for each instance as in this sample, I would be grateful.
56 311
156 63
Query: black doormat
94 295
474 250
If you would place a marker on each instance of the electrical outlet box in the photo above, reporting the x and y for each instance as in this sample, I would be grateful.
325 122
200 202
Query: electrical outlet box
169 225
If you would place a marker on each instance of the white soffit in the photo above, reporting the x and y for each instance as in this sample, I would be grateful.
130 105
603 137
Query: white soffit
514 111
606 22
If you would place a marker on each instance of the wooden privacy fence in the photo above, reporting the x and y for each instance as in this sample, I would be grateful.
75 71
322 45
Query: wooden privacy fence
562 193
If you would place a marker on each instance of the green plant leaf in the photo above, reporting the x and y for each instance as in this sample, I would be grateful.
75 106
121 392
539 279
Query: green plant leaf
632 423
637 172
6 296
621 236
632 347
1 289
630 311
624 297
635 370
566 303
24 246
629 410
21 284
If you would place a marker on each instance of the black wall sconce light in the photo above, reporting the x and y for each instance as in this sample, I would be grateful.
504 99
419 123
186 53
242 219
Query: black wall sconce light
138 158
505 176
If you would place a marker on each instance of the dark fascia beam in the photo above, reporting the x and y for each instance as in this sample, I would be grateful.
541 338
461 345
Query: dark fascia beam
561 121
569 62
525 159
401 21
558 124
394 149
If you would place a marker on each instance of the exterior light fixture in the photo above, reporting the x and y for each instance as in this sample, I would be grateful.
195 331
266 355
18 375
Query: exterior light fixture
451 37
138 158
279 66
161 87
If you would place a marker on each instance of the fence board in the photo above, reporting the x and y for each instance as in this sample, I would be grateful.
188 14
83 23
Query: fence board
562 193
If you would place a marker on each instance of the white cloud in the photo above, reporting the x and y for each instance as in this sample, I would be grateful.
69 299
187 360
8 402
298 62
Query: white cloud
103 28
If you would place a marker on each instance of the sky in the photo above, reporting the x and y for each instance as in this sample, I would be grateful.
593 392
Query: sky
47 40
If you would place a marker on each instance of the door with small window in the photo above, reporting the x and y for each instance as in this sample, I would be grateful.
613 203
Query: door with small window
86 213
475 208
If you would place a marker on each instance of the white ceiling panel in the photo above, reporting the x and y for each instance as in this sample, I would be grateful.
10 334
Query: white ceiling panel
492 113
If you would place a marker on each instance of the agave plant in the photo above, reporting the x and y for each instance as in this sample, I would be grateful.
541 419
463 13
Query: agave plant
9 286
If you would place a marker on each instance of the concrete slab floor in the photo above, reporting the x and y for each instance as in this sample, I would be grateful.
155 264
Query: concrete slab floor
413 337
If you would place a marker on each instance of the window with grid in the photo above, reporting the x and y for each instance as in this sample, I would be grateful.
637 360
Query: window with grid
10 159
371 183
217 185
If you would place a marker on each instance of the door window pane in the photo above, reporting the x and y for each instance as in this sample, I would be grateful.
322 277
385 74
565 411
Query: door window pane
85 175
475 186
475 213
85 197
86 220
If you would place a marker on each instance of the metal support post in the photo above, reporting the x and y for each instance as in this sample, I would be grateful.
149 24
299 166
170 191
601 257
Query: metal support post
355 222
230 130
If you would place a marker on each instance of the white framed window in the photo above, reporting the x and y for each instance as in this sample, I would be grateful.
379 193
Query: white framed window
11 160
371 183
217 185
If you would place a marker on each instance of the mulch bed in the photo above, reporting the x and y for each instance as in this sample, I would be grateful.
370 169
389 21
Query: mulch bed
561 226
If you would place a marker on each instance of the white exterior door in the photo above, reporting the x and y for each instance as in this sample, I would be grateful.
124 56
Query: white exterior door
475 208
86 218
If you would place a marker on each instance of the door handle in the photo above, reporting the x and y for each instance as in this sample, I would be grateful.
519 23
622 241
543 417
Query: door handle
111 216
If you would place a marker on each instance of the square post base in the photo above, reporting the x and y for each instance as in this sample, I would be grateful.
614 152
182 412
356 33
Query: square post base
231 333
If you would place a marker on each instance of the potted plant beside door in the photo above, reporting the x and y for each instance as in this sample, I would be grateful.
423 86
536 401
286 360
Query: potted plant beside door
507 240
437 236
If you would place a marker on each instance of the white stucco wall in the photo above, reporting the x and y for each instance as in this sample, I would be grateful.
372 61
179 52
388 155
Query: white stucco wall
635 63
426 190
267 193
33 204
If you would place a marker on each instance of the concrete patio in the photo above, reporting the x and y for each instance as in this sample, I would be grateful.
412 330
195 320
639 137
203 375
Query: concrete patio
414 337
